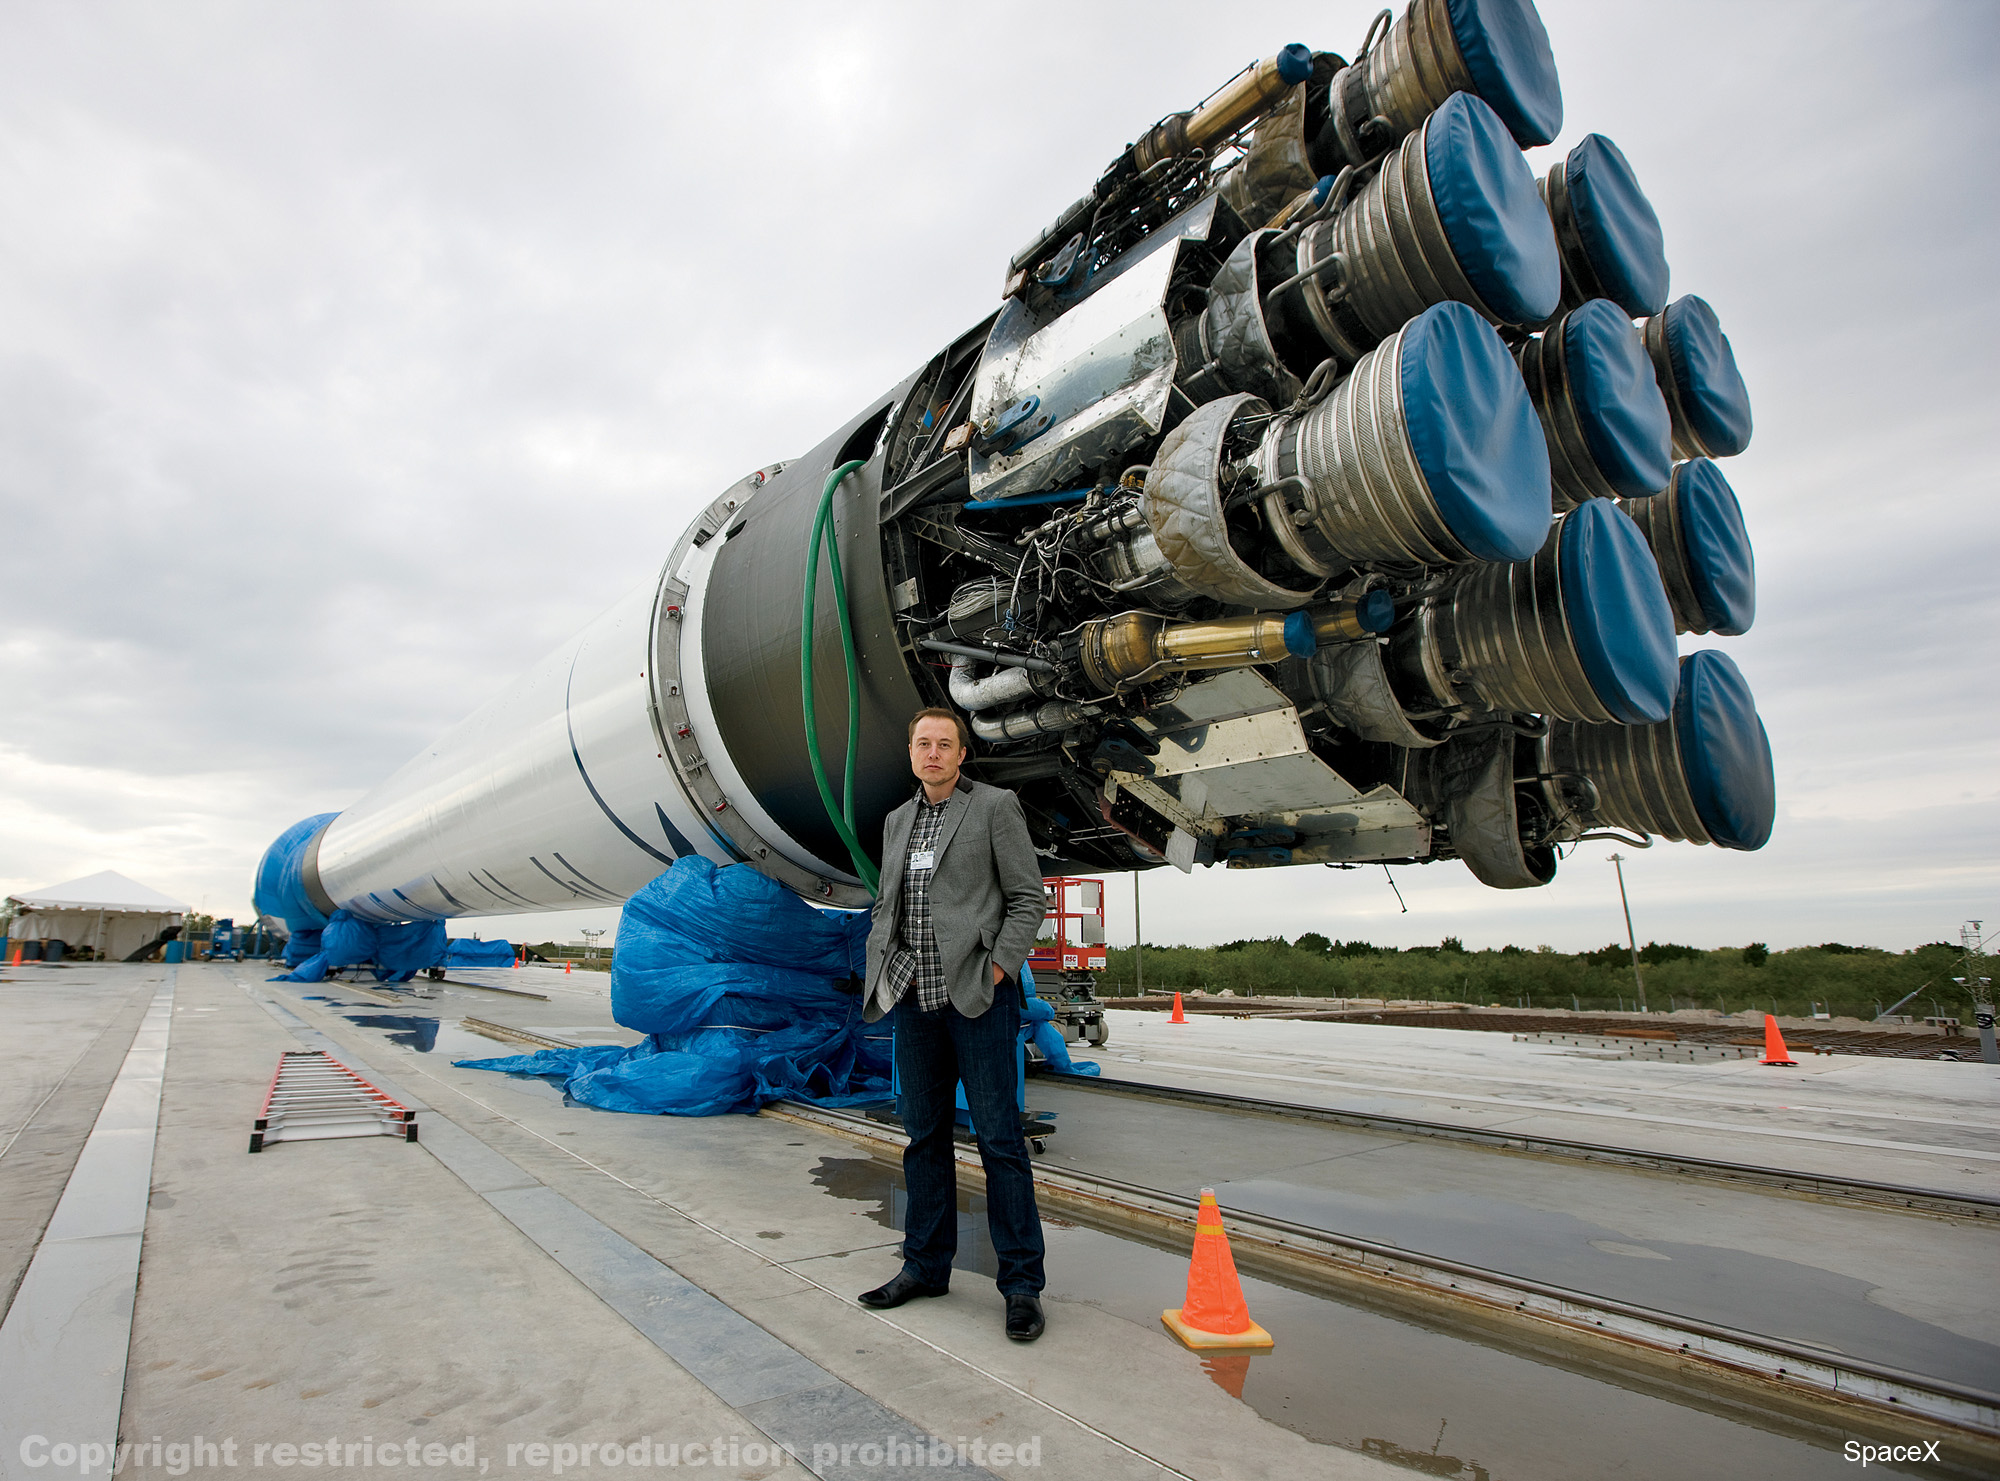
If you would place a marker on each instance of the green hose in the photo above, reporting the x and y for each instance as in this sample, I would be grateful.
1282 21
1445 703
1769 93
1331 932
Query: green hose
842 815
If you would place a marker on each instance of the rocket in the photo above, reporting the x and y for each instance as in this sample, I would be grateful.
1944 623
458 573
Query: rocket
1324 488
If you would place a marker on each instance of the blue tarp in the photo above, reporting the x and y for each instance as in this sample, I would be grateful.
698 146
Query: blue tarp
280 891
747 995
462 951
396 952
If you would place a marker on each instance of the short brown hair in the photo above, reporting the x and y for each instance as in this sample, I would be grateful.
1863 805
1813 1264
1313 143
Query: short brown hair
934 713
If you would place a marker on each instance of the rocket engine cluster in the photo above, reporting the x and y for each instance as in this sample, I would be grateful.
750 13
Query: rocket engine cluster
1325 489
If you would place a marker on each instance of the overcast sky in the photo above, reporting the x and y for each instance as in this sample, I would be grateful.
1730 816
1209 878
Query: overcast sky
354 355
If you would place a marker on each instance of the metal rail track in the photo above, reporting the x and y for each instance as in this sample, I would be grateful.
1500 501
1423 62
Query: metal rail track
1853 1390
1825 1187
505 1031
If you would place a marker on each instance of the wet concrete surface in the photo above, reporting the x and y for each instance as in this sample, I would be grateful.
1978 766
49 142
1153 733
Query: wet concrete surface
1881 1286
1790 1299
1929 1124
354 1287
1340 1374
1907 1290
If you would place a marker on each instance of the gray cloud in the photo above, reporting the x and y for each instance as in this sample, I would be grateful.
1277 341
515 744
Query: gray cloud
358 354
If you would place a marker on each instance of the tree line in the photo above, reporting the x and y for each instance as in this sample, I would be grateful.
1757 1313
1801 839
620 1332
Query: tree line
1846 981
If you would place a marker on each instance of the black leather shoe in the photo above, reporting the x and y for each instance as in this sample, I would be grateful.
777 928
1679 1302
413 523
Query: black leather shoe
903 1288
1024 1318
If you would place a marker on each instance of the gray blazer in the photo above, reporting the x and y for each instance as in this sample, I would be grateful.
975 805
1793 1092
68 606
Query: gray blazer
986 896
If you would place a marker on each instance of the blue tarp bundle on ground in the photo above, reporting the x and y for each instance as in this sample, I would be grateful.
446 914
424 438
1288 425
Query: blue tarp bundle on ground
747 995
463 951
397 952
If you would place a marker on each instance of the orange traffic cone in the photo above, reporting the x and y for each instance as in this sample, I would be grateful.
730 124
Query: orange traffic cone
1774 1044
565 969
1215 1316
1178 1016
517 963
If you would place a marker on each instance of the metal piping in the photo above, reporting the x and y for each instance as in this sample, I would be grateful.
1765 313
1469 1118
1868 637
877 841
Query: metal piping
1006 687
1130 647
1237 103
1056 715
989 655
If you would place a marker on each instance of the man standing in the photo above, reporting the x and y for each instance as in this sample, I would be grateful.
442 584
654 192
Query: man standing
960 905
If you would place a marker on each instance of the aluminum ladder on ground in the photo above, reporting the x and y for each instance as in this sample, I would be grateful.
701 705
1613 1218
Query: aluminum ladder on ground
313 1097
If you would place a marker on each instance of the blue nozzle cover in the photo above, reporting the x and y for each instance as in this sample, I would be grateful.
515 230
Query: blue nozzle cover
1475 433
1491 212
1295 63
1720 566
1300 639
1725 752
1506 51
1617 225
1376 611
1713 396
1618 400
280 889
1617 612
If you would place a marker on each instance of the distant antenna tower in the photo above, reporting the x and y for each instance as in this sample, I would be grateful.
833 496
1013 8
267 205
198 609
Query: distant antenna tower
591 934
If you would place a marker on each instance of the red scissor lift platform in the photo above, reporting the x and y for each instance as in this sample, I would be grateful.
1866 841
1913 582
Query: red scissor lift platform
1067 965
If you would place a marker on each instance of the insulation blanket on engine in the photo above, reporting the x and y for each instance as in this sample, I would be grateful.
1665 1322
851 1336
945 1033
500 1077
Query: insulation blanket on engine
746 993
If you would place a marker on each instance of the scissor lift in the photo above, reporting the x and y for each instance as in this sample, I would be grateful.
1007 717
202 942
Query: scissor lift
1067 964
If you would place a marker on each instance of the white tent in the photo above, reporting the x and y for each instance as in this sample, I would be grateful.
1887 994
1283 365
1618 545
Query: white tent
106 911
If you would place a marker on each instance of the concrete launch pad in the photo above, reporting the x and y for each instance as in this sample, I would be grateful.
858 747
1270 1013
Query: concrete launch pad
533 1278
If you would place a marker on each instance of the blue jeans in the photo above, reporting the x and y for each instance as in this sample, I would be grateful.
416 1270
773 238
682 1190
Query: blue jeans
935 1052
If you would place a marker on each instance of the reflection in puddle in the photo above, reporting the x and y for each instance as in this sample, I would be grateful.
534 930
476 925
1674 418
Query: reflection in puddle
1428 1463
866 1181
1430 1399
419 1034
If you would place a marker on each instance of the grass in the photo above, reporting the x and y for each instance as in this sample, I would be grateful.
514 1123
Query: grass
1846 981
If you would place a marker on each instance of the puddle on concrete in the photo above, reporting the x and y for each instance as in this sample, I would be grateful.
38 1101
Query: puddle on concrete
411 1032
1781 1298
1418 1395
449 1041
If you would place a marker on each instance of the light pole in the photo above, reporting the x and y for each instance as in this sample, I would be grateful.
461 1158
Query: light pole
1631 940
1138 943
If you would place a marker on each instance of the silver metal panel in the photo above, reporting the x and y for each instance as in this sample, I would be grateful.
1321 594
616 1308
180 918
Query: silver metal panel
1235 692
1275 784
1103 370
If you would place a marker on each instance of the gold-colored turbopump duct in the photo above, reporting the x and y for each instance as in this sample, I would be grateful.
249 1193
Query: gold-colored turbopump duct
1131 647
1241 100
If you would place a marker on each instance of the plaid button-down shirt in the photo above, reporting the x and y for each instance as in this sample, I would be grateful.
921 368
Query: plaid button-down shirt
918 964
